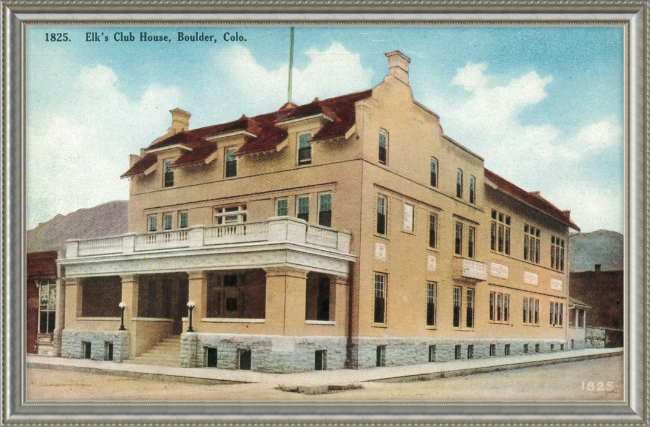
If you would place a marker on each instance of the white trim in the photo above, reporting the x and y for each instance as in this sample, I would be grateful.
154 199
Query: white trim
299 119
97 319
351 131
230 320
151 319
169 147
151 168
320 322
233 133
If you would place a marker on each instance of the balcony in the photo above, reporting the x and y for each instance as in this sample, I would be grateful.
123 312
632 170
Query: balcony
248 245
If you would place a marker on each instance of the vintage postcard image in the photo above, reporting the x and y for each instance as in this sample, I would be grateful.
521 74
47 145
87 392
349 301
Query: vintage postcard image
345 213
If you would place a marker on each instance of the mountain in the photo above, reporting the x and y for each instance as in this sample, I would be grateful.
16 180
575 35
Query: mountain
108 219
602 247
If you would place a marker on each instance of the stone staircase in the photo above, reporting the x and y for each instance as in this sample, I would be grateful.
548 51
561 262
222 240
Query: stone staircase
166 353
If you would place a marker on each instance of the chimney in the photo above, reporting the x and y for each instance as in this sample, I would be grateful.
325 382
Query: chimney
597 267
567 213
180 121
398 66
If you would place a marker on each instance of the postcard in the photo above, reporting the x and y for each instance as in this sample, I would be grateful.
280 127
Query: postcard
221 215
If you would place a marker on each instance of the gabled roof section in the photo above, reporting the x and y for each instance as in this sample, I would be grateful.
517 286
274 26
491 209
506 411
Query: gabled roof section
262 132
524 196
141 165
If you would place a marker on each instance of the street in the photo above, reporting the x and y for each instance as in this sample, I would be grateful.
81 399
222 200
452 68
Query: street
596 379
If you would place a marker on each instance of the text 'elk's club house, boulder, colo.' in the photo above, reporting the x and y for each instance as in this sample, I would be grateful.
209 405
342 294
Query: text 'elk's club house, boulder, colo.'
348 232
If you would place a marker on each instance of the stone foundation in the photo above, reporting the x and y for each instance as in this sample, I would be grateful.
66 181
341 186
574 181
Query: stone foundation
268 353
72 344
413 351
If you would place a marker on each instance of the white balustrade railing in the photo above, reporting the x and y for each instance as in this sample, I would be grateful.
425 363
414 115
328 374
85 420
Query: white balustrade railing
166 239
110 245
236 233
321 236
275 230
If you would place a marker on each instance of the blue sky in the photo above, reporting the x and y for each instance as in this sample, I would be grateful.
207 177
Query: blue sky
542 105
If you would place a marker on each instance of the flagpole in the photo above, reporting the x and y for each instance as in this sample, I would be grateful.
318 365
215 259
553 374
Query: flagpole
290 63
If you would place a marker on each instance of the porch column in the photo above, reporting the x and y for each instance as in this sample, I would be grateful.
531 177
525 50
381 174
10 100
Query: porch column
584 319
341 290
130 290
286 293
59 316
197 292
73 302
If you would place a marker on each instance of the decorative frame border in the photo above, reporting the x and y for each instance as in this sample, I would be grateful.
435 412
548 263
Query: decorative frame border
633 15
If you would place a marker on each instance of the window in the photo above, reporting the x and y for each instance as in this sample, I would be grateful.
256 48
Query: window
472 189
500 232
470 351
381 355
47 307
458 246
434 172
320 360
231 162
556 313
182 219
108 350
408 217
552 347
167 220
381 214
383 148
557 253
211 359
458 352
302 206
230 215
459 183
536 348
457 306
325 209
380 298
281 207
493 349
432 293
245 357
169 173
581 318
433 230
304 149
506 350
531 243
531 311
471 241
432 353
525 348
152 222
469 321
499 307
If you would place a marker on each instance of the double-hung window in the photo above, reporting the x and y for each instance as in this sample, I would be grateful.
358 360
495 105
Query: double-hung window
500 233
230 215
432 295
458 242
531 243
434 172
47 307
457 306
557 253
471 242
231 162
304 149
556 312
302 207
167 220
169 173
459 183
152 222
383 148
472 189
380 297
282 207
469 321
382 203
499 307
325 209
433 230
182 219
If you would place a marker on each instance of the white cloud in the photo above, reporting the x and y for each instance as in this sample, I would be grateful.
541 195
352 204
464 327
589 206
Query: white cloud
489 119
76 155
333 71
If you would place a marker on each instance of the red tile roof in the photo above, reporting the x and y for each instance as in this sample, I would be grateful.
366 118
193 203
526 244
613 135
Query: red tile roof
141 165
268 135
524 196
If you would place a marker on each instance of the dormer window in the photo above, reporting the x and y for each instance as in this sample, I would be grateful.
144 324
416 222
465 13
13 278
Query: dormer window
383 148
304 149
169 173
231 162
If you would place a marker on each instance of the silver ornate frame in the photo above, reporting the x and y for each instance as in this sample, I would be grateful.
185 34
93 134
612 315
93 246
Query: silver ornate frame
634 16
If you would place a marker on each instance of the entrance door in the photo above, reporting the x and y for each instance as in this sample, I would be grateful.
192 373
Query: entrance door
320 360
180 308
245 360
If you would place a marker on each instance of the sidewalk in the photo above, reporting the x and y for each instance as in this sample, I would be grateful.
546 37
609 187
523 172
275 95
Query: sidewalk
317 378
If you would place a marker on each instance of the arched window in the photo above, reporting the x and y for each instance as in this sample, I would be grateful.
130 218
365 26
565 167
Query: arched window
459 183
